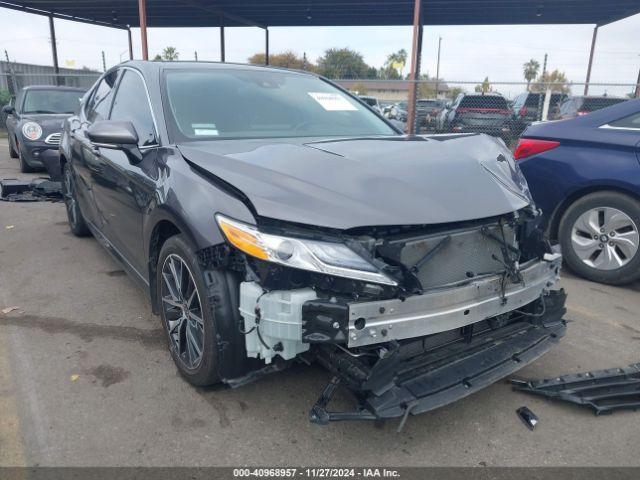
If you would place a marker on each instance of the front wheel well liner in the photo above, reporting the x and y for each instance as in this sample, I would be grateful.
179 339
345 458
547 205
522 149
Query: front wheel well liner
558 213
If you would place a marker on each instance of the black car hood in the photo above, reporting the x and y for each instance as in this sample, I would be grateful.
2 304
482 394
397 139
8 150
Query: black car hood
347 183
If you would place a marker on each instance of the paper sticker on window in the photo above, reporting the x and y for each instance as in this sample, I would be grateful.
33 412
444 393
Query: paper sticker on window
332 101
204 129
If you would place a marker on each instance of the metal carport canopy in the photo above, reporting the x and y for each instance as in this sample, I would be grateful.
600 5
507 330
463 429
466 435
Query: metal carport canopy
289 13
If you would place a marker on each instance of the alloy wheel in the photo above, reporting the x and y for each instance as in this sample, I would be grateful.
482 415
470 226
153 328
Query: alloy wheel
70 197
605 238
182 311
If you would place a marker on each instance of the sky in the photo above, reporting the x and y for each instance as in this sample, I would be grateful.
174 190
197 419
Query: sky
469 53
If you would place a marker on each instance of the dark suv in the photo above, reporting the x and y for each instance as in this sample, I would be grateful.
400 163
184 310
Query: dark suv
527 108
478 113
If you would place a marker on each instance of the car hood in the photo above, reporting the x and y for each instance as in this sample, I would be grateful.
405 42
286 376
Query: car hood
347 183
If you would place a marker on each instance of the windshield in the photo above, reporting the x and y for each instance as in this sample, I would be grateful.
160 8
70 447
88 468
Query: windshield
238 103
484 101
51 101
429 103
593 104
372 102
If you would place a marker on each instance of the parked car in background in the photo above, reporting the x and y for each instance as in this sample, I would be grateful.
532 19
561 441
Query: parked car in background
385 106
585 175
272 217
398 112
372 102
34 125
527 108
427 111
576 106
474 112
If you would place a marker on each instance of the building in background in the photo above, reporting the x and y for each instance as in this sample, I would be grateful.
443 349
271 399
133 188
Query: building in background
14 76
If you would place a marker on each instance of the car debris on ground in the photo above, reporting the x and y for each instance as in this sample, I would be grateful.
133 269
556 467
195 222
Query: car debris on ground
37 190
603 390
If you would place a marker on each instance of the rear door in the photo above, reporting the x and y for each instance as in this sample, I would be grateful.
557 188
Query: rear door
124 186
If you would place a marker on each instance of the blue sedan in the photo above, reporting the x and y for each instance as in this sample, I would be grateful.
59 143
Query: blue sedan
584 174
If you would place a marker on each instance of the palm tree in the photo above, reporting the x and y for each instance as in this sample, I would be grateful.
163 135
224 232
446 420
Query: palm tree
399 57
170 54
530 71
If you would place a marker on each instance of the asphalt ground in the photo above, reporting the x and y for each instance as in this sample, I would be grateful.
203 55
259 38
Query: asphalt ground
86 379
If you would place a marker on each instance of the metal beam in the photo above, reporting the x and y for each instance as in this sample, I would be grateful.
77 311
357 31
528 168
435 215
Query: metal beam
414 74
236 18
266 46
130 44
638 86
593 47
142 12
54 48
61 16
222 47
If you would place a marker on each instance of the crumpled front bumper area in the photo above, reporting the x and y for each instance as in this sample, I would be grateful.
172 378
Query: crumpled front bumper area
400 383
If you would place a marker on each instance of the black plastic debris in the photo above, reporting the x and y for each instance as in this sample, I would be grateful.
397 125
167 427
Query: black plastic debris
37 190
529 418
603 390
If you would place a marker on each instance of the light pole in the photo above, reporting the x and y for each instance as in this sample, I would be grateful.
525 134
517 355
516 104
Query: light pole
438 66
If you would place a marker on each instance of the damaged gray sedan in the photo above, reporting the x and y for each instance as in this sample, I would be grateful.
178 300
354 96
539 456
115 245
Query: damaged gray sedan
272 217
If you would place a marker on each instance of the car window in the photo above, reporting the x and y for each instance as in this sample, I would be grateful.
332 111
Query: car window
258 103
51 101
567 107
593 104
632 121
98 106
131 104
484 101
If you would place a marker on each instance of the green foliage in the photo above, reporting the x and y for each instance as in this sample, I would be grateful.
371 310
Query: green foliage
454 92
484 87
556 81
343 63
286 59
530 71
396 62
169 54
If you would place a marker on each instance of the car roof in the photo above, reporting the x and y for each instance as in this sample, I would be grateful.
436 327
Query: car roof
154 67
54 87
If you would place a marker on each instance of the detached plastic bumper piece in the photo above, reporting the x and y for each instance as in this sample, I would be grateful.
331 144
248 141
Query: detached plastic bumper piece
603 390
400 384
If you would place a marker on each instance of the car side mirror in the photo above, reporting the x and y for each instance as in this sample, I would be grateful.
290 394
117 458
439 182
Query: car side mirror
8 110
116 135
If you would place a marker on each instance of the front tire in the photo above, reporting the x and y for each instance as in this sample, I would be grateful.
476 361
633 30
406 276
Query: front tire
187 313
600 239
24 166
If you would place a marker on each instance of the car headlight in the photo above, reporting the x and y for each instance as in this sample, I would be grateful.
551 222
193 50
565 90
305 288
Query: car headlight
31 131
316 256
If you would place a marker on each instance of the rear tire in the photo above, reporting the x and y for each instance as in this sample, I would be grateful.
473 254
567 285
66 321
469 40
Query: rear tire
77 224
612 259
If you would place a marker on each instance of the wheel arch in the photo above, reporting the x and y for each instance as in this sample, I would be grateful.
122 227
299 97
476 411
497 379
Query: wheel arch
558 213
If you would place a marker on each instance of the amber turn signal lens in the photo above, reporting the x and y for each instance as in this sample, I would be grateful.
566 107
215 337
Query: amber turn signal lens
243 240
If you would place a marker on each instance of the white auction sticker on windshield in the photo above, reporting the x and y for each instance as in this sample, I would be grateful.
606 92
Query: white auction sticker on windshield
332 101
206 129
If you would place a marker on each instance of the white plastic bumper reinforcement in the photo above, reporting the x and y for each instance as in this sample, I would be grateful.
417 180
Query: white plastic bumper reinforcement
449 308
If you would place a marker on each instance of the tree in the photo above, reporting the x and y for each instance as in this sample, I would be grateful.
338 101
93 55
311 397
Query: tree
287 59
530 71
359 89
454 92
343 63
169 54
484 87
396 61
5 97
556 81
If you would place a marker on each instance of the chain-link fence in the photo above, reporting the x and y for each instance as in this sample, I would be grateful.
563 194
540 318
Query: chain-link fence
502 109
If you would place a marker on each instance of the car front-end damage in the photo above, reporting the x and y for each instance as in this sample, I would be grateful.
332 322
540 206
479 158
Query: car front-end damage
413 318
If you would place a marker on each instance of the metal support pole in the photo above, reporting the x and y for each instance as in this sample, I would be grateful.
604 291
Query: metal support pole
266 46
414 74
130 44
438 66
638 86
593 47
222 53
54 49
142 13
